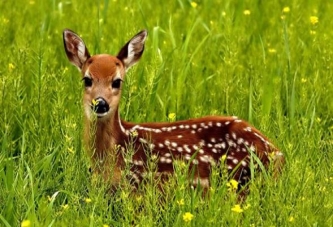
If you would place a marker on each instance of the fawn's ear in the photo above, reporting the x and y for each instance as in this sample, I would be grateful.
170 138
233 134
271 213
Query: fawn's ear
75 48
133 49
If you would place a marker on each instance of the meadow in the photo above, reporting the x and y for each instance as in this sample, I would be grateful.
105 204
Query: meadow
268 62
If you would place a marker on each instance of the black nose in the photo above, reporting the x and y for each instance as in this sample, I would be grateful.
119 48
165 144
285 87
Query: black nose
100 106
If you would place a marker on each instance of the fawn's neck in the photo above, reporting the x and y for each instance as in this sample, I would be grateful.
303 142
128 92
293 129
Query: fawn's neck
104 135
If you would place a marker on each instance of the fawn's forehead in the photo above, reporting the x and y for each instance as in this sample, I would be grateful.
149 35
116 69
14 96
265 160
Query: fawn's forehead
103 66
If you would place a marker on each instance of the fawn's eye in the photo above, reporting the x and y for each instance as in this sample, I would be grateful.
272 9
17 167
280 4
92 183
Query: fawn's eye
116 83
87 81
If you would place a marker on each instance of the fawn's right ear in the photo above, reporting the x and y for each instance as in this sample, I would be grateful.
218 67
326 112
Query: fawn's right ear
75 48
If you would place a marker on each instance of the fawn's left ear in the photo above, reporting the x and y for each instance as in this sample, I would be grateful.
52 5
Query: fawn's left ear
133 49
75 48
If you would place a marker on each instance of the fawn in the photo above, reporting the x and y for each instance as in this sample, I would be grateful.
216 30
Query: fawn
199 142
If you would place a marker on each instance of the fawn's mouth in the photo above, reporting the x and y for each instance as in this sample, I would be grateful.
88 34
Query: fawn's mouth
100 115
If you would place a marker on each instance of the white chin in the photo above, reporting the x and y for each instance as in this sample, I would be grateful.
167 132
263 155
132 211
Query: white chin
101 115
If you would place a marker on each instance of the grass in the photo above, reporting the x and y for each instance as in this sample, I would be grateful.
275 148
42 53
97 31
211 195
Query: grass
254 59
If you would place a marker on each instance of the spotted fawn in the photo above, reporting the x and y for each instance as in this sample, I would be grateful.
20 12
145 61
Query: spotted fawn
199 142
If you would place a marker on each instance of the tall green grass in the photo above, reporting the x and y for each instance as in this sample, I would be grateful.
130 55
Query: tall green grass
253 59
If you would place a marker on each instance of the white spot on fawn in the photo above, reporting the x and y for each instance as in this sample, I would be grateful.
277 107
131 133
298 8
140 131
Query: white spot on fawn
167 142
203 182
135 177
143 140
174 144
187 157
204 159
202 143
179 149
162 159
240 140
138 162
187 149
260 137
223 145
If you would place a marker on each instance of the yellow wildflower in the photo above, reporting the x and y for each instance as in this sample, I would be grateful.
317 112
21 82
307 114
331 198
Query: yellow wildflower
286 9
291 219
134 133
194 4
26 223
172 116
247 12
272 50
94 102
232 185
247 206
87 200
5 20
71 150
138 198
223 158
180 202
312 32
237 208
187 217
105 225
314 20
11 66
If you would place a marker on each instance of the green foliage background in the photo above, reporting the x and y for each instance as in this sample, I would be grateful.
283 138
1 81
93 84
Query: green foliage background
254 59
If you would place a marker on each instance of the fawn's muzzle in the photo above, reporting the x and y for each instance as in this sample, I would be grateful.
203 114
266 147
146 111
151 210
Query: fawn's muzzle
100 106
